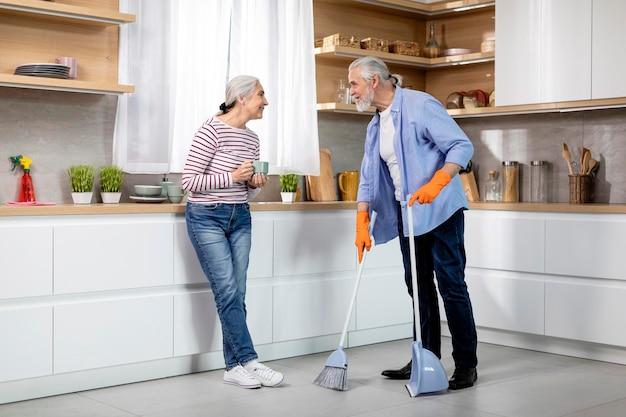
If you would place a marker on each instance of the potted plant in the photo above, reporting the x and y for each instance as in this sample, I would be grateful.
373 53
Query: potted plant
111 179
81 180
288 187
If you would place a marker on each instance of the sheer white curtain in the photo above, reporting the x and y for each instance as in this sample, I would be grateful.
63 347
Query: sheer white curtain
273 40
202 69
143 128
180 54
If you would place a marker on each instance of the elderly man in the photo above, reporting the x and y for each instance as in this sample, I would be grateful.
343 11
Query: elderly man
413 147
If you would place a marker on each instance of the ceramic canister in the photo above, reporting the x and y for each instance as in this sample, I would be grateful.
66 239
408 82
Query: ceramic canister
348 185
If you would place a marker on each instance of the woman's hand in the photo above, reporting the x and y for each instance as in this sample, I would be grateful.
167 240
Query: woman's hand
258 180
243 173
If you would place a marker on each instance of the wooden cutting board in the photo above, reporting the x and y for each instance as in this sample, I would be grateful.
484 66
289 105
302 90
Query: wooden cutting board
322 187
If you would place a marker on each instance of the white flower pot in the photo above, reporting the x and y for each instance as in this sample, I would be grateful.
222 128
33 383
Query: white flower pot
82 198
288 197
111 197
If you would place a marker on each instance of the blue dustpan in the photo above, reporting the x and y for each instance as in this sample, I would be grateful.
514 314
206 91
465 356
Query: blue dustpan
427 372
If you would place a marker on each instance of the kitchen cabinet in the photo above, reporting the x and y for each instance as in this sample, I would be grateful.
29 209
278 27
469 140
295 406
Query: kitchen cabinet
529 272
100 317
34 31
26 254
115 331
462 25
148 243
544 51
607 60
555 51
26 348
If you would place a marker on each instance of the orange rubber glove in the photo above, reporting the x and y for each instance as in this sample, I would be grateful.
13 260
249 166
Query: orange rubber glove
427 192
363 239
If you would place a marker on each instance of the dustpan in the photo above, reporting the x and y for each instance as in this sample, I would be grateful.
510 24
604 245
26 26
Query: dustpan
427 372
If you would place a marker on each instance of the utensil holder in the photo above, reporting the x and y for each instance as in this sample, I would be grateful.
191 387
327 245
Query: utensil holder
580 189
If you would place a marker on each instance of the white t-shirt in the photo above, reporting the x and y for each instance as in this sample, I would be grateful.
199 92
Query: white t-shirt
387 153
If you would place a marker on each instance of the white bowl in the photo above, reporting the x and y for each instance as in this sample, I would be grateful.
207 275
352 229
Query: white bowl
148 190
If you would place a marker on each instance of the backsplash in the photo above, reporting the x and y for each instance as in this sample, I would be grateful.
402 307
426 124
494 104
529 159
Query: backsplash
59 129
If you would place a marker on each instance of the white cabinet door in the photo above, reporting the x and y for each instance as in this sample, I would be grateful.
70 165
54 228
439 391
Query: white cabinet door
565 45
608 58
26 259
592 313
100 257
505 240
26 348
518 58
584 246
543 51
314 243
112 332
507 301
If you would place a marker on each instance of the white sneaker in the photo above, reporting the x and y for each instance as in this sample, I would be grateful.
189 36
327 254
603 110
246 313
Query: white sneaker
240 377
266 376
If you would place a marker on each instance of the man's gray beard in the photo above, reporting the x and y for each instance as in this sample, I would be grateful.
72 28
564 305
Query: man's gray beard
365 102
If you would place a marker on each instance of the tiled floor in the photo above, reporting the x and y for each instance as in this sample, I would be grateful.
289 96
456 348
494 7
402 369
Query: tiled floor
511 382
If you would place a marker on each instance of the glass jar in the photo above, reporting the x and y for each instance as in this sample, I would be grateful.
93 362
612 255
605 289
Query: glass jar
510 180
492 188
341 92
539 181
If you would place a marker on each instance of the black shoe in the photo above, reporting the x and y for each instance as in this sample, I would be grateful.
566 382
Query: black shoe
463 378
402 373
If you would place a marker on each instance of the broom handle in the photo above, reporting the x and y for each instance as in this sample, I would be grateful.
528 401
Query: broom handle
344 333
416 309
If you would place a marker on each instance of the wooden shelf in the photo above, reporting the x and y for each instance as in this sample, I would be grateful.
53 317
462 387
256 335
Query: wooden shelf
567 106
42 83
67 11
344 52
39 31
432 9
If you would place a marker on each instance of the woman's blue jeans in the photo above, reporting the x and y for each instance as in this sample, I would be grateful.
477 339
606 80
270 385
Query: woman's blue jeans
221 235
441 253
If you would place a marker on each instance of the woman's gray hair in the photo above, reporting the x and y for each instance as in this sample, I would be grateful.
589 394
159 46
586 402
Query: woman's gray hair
370 65
240 86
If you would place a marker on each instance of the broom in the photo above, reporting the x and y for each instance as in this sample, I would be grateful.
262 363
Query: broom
335 372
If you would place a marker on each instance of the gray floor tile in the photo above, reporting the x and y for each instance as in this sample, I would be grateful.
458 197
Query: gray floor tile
512 383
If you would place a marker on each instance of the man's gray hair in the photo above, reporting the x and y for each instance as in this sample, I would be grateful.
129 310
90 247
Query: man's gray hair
370 65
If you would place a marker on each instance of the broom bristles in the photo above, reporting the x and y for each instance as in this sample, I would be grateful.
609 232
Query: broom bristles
333 378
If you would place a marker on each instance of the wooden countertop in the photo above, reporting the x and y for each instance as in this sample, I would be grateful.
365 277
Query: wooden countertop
147 208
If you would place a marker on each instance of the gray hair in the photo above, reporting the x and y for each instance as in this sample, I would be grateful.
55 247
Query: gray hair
370 65
240 86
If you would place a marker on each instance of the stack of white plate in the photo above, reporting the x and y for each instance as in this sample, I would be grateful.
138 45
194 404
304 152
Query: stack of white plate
44 70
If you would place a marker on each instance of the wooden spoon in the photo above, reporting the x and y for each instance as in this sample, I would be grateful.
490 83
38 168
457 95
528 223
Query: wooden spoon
591 164
584 162
568 158
585 153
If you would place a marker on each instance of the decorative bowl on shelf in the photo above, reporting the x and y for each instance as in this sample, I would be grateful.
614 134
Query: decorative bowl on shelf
456 51
148 190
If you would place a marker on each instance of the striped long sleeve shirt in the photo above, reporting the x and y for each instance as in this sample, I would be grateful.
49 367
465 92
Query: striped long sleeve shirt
216 151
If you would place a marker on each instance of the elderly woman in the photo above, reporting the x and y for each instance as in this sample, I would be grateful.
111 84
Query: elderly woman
219 177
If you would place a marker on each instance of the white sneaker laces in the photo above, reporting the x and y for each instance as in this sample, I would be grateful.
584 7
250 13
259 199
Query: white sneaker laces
264 371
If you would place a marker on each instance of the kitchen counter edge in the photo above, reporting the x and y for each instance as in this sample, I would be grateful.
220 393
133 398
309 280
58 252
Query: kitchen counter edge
147 208
137 208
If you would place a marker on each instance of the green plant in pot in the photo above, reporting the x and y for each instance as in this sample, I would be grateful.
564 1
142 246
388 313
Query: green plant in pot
288 187
111 179
81 181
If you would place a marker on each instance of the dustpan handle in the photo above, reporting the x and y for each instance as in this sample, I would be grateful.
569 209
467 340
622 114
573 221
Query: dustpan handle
356 287
416 309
